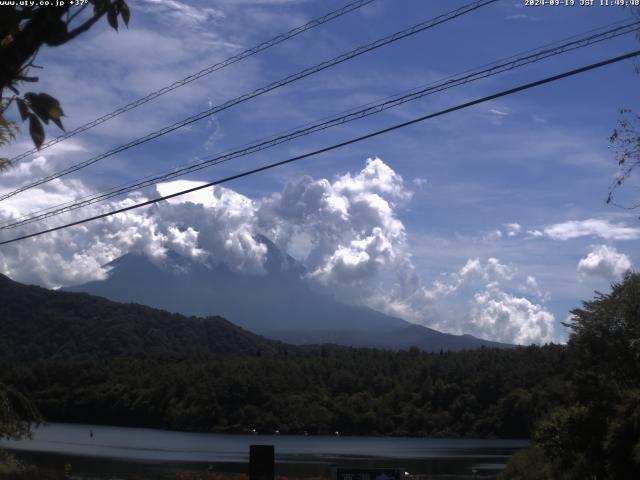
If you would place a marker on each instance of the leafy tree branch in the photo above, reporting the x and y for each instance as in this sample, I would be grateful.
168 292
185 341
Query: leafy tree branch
24 30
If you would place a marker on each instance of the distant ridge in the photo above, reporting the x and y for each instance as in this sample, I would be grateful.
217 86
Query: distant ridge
280 304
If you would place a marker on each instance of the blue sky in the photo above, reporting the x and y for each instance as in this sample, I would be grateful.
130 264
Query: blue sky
491 220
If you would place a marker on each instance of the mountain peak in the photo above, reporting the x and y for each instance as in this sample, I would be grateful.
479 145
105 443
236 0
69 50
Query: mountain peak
279 304
278 261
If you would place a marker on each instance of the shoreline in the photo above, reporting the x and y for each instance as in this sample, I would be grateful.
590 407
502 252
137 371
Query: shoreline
51 466
119 452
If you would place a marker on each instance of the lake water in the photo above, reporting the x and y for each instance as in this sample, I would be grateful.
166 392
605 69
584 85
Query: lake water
122 450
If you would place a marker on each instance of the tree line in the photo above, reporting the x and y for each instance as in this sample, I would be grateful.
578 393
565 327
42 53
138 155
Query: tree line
481 393
579 403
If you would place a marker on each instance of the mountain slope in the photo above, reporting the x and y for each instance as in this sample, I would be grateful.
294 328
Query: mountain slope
279 304
279 301
36 323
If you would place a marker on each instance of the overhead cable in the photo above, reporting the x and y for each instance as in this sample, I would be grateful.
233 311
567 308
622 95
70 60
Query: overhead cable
270 166
195 76
260 91
339 119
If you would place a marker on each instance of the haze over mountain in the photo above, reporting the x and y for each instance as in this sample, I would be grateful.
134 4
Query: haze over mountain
280 304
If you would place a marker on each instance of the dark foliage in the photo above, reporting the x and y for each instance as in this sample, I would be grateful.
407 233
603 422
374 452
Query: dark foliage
41 324
85 359
527 464
25 27
482 393
597 433
17 413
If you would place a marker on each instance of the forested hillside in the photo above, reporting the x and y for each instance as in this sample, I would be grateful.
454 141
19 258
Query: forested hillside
38 323
86 359
579 403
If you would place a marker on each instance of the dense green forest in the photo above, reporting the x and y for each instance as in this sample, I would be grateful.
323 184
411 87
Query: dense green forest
579 403
43 324
482 393
82 358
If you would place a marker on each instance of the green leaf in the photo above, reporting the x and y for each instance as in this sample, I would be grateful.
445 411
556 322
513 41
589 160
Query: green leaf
43 99
22 108
98 7
55 112
112 17
36 131
46 107
58 122
37 106
125 13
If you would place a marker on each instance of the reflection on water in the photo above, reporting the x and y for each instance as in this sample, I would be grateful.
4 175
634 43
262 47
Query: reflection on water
130 450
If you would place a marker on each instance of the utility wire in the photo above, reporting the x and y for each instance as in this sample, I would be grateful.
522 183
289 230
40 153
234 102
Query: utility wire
206 71
353 114
462 106
339 119
272 86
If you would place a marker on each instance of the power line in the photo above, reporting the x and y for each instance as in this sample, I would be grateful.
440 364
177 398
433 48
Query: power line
206 71
272 86
353 114
503 93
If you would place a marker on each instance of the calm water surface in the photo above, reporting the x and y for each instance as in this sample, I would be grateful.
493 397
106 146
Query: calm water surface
121 448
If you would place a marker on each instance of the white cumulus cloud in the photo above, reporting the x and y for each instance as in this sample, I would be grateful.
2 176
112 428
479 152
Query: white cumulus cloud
480 299
356 261
508 318
215 225
604 261
346 231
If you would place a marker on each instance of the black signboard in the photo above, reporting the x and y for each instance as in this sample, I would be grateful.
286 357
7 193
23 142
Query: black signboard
261 462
